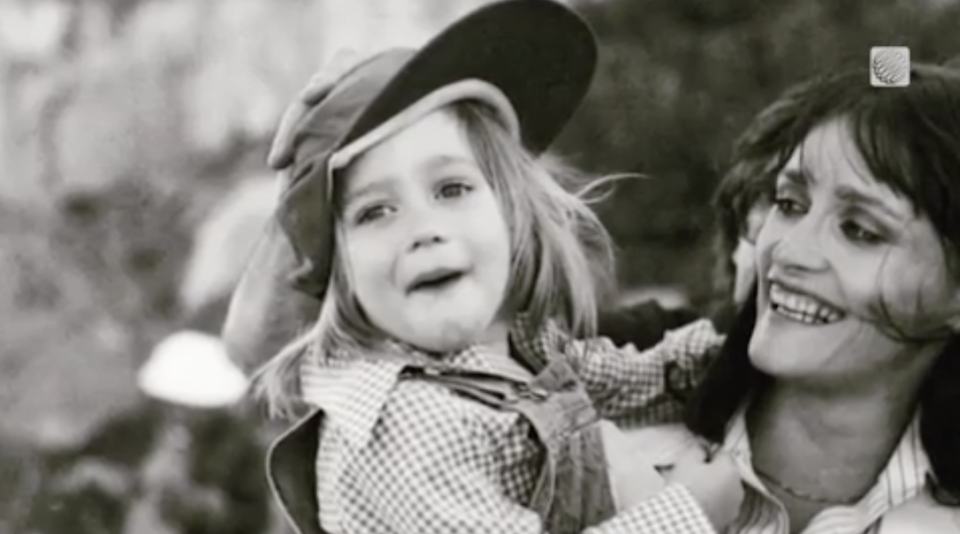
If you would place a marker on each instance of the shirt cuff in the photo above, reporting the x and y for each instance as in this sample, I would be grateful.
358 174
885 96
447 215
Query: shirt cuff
671 511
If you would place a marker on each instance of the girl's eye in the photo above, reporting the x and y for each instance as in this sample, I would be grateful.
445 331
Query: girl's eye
454 190
858 234
788 206
371 213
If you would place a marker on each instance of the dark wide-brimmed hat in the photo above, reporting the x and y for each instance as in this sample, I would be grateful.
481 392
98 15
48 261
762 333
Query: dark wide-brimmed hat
531 61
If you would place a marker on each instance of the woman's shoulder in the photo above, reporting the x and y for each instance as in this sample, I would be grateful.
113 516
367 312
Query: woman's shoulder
921 514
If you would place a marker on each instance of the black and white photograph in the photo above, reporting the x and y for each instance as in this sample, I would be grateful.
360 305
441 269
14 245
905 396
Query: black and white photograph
479 267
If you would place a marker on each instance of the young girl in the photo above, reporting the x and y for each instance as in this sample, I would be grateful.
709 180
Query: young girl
447 391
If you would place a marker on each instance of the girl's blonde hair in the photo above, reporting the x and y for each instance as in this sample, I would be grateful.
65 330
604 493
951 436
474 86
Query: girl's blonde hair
561 266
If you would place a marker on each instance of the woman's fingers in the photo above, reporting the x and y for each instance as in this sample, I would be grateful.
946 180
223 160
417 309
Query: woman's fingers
323 80
319 86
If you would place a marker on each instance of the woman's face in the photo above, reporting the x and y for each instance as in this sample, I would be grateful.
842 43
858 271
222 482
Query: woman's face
841 258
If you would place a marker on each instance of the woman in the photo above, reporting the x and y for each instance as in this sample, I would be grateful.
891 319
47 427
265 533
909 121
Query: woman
836 385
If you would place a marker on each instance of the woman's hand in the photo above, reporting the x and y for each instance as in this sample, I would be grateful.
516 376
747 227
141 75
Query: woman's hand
632 478
281 151
714 481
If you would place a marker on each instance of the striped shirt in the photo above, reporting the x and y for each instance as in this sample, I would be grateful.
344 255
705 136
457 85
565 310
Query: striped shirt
412 457
902 479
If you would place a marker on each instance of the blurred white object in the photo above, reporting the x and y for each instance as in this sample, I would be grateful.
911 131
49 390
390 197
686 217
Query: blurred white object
192 369
33 30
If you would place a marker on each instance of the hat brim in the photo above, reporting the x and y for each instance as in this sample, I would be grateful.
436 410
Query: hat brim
539 53
266 312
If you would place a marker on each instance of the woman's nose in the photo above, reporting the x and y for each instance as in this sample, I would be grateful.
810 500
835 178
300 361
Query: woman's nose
799 249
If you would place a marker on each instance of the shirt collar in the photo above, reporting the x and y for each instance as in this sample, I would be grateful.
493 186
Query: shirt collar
352 389
351 393
904 476
906 473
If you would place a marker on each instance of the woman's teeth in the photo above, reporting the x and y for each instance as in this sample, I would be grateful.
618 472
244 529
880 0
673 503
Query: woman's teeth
802 308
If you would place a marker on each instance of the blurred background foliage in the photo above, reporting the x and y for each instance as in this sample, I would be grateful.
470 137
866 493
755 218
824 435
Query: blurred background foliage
124 124
679 79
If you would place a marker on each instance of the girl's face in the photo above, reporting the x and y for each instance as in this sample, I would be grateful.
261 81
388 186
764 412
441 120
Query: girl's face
425 245
840 258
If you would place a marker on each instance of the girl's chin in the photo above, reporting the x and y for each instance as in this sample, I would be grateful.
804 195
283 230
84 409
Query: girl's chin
451 335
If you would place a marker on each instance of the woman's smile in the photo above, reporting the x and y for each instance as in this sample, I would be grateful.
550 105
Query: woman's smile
802 307
837 280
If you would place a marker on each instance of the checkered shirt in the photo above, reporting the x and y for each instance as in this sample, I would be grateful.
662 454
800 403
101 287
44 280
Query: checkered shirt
413 457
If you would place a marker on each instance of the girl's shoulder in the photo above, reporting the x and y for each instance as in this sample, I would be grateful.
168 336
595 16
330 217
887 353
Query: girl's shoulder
420 395
429 416
474 401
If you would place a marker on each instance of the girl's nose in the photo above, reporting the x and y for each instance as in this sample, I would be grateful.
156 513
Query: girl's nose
427 228
426 239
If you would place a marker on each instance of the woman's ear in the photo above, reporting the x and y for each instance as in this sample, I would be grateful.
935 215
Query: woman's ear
954 318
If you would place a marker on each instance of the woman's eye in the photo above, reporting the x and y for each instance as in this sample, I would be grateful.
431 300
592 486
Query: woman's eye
788 206
857 233
454 190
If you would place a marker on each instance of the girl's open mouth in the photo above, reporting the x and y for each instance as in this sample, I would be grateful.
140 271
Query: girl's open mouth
436 279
